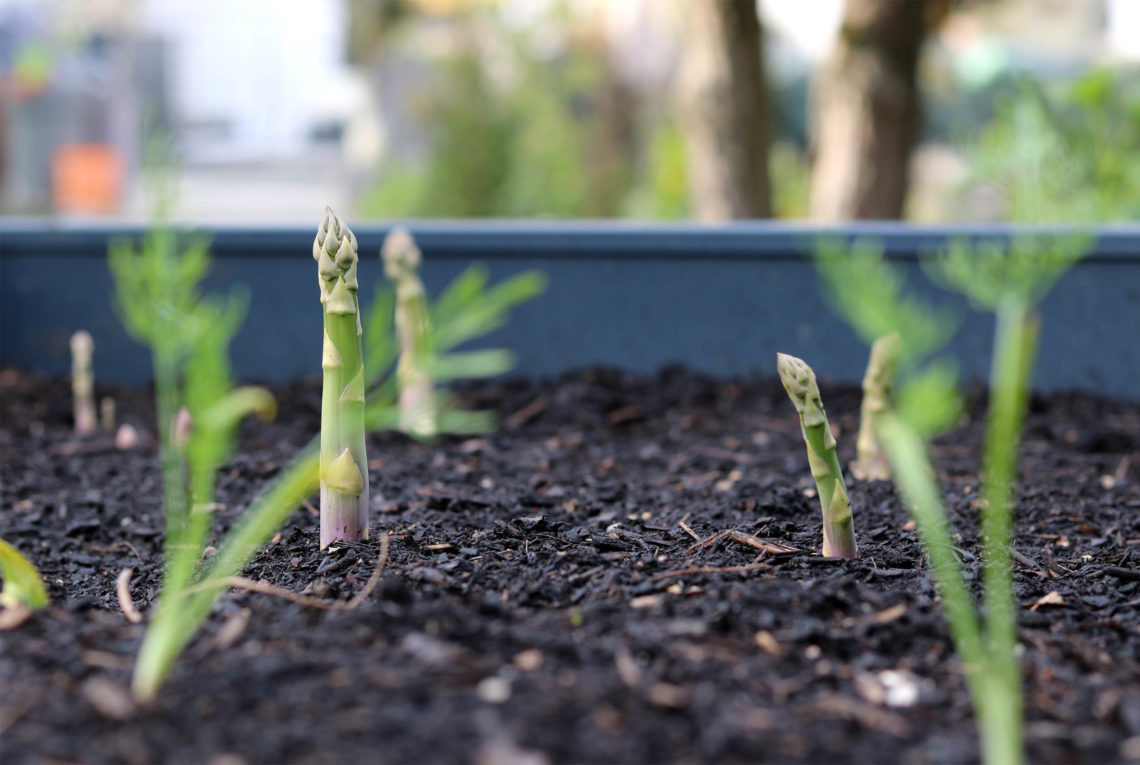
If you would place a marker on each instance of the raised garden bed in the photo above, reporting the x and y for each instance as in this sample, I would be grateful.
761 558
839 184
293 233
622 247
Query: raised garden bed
543 597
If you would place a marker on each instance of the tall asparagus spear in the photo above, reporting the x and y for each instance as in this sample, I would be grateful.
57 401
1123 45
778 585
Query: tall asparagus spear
83 382
838 527
878 388
344 465
401 259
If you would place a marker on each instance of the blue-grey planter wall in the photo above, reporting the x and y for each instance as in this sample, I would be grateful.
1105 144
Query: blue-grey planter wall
720 299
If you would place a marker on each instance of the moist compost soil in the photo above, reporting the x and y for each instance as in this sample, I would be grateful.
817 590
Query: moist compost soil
545 598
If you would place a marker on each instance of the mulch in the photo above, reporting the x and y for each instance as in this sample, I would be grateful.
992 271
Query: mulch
557 591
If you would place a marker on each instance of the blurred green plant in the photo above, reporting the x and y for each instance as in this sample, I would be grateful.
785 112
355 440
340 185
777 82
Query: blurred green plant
547 141
23 586
1065 152
159 302
466 310
1008 281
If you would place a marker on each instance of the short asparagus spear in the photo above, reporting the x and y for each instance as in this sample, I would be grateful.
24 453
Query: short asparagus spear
401 259
838 527
344 464
878 387
83 382
107 415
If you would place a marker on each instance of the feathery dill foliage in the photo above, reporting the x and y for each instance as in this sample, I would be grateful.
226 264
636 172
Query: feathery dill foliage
188 333
1007 279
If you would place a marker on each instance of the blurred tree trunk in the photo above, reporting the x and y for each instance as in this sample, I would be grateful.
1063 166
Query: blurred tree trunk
866 110
723 102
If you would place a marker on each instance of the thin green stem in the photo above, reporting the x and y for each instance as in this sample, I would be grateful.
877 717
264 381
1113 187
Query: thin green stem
1014 350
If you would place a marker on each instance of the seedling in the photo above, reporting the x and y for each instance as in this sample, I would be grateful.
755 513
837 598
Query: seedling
83 383
465 311
188 336
878 390
1008 281
158 300
344 464
838 526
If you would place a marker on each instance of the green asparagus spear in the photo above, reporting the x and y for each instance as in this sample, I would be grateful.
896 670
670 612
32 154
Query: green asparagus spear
838 527
83 382
878 388
344 464
401 259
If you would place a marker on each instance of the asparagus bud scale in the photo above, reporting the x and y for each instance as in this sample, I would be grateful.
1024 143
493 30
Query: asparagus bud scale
838 526
344 465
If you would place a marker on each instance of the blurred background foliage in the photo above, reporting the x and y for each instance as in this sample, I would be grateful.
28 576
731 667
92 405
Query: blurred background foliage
942 111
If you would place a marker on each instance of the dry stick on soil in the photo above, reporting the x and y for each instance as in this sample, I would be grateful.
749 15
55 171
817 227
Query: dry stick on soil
838 527
265 588
712 570
748 540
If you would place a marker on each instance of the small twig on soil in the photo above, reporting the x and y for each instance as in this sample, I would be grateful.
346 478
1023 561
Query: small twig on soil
123 590
689 531
1122 573
526 414
712 570
748 540
309 506
265 588
116 546
1028 563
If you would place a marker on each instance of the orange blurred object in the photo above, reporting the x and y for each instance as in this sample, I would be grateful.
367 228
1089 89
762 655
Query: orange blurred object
86 178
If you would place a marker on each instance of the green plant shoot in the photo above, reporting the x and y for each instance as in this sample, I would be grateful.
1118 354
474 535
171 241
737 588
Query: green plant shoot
344 464
83 383
465 311
1007 280
158 301
402 259
838 525
878 391
23 586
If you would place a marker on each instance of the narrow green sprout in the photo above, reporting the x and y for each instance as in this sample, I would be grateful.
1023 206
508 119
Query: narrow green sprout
188 334
878 388
344 464
83 383
402 259
838 526
1007 280
23 586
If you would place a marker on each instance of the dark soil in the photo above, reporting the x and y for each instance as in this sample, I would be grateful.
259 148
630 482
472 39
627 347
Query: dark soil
541 601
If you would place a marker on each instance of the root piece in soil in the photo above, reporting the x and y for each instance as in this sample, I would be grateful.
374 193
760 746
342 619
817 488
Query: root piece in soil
123 591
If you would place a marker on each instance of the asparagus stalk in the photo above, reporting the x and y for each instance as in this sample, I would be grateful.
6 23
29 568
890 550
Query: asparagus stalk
878 389
838 527
417 408
83 382
343 463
